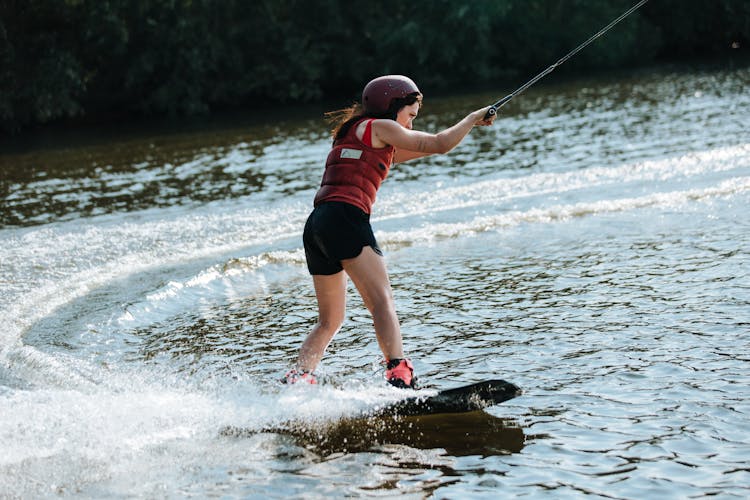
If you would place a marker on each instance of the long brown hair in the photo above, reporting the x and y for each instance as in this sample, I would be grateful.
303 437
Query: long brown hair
343 119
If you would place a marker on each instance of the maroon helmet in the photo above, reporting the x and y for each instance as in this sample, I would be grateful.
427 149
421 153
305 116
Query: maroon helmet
378 94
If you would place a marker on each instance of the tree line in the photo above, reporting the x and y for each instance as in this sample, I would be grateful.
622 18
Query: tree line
62 59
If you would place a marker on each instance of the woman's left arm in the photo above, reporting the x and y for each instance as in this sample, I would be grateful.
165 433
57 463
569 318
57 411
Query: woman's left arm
402 155
411 144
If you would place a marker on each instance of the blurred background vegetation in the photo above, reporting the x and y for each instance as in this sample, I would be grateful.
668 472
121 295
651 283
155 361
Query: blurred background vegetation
114 59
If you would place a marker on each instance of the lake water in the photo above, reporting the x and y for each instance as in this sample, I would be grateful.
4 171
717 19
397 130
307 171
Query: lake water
591 247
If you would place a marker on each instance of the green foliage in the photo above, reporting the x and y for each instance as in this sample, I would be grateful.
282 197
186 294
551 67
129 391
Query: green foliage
691 28
65 58
40 74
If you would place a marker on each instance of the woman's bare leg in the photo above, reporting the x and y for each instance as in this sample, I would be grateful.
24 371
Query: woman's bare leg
331 294
370 276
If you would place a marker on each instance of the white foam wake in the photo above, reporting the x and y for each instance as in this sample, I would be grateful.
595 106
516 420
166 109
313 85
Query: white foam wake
491 192
430 232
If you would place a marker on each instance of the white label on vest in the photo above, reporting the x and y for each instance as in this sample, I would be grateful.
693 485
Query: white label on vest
354 154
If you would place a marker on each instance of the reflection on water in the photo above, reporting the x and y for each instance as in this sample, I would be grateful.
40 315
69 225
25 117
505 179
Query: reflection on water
592 248
188 169
462 434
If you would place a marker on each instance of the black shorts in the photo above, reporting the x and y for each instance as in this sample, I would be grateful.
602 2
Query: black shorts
335 231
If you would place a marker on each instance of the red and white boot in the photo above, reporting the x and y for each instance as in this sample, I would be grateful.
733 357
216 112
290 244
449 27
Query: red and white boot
400 373
295 376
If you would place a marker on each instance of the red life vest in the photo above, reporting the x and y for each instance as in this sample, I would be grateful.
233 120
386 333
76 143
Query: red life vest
354 171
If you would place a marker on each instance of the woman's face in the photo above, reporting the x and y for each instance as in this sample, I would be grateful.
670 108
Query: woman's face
406 115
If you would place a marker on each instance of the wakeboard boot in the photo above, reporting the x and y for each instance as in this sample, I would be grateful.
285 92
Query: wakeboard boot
295 376
399 372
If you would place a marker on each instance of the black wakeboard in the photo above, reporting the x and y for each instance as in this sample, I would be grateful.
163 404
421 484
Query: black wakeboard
472 397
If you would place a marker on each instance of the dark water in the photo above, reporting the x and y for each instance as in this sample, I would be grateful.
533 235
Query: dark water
592 247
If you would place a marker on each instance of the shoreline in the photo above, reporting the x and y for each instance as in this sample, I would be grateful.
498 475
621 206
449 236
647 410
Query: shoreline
106 127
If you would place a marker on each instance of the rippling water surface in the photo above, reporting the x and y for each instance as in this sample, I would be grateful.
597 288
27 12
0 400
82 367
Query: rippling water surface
592 247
